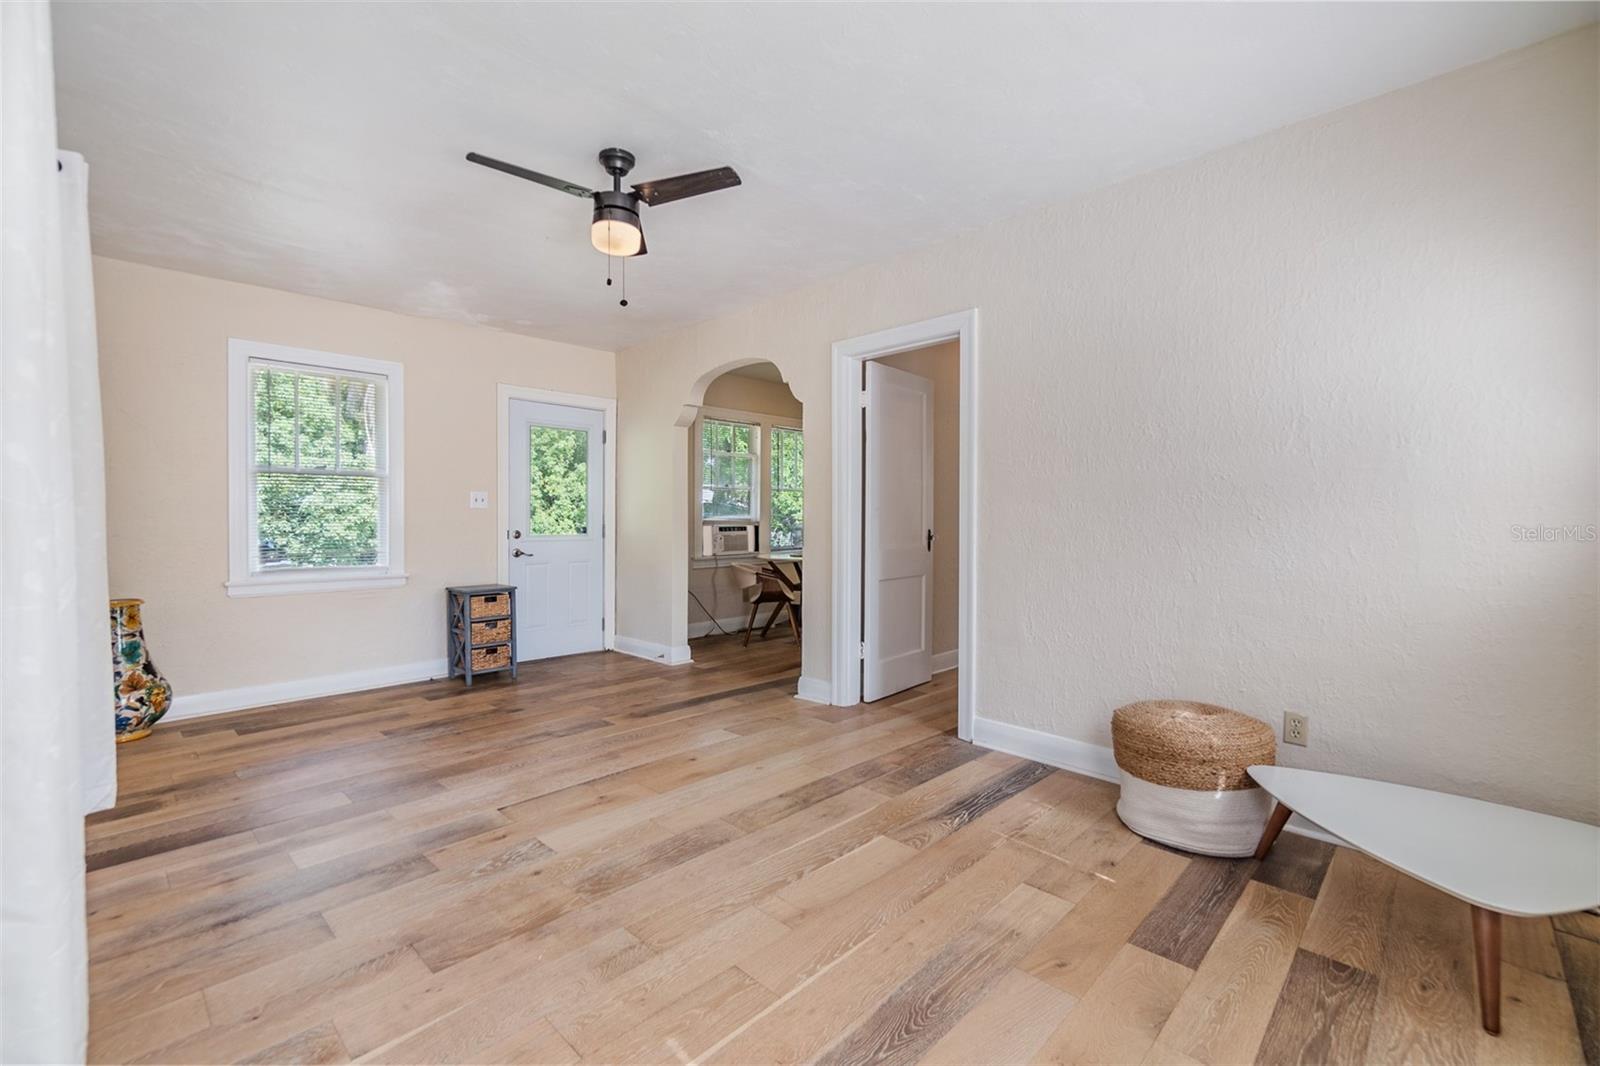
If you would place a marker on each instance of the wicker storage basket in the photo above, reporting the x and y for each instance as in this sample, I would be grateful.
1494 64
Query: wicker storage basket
1183 775
490 606
491 632
491 658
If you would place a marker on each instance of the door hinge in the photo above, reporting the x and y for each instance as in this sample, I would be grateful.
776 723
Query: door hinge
861 651
863 398
602 436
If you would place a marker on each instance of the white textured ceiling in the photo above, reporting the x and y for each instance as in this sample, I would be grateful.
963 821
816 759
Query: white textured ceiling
317 147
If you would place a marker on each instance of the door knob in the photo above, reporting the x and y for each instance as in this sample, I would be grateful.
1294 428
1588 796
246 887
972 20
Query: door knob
519 553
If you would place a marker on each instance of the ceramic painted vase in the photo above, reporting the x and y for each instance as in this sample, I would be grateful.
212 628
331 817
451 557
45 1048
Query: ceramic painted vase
142 695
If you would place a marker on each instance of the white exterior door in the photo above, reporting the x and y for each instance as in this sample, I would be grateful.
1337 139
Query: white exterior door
555 541
898 551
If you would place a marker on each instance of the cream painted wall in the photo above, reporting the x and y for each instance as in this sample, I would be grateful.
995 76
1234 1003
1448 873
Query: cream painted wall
738 393
1264 421
941 364
715 586
163 365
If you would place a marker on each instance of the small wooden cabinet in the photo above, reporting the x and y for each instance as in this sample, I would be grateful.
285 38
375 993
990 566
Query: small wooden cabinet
482 627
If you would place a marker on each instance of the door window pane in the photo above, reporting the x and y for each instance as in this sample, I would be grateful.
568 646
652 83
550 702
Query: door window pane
558 481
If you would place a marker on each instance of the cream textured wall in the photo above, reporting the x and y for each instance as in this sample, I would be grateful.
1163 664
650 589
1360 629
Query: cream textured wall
163 365
941 364
738 393
1255 429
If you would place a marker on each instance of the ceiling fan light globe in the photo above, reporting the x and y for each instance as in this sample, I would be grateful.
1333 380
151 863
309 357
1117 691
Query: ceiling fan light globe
615 237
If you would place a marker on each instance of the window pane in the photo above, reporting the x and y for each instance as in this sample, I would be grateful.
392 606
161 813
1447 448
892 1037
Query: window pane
788 520
788 485
358 425
317 520
727 469
741 472
788 459
317 406
558 481
725 503
273 392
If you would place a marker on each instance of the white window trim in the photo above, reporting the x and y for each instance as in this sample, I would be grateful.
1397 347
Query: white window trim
241 582
763 498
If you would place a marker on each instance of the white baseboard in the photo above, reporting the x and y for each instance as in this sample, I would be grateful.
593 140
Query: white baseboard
659 653
221 701
813 690
1080 757
706 627
945 660
1091 760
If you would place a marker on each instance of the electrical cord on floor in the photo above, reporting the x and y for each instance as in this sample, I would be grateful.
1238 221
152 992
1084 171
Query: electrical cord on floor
709 615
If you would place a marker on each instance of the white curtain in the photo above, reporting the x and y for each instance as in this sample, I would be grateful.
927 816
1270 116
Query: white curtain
57 755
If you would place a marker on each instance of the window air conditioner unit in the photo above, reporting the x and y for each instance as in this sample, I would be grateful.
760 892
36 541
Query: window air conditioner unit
727 540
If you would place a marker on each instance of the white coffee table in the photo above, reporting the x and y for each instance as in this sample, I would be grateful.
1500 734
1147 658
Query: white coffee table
1500 860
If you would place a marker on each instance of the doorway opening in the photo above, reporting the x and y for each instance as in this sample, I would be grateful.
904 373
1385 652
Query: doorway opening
746 558
890 531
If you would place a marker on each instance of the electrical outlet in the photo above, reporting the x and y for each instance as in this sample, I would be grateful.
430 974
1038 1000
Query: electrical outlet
477 500
1295 728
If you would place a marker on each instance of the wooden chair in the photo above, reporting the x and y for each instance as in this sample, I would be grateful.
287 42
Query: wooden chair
757 587
791 591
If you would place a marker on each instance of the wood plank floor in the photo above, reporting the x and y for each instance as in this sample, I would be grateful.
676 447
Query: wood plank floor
612 861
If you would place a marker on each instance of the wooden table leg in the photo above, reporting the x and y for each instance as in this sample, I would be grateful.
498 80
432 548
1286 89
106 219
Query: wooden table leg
1275 823
1486 941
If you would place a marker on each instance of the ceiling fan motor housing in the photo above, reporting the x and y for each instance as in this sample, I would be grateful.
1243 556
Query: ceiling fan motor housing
617 207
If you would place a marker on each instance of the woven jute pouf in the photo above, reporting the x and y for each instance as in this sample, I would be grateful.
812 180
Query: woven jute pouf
1183 775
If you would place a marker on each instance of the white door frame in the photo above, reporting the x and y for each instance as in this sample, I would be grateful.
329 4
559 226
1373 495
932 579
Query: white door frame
504 394
848 355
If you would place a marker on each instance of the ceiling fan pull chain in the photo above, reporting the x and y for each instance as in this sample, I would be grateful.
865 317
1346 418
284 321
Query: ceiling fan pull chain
608 270
624 269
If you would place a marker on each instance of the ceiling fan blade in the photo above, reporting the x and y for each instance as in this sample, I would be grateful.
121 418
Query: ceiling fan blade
683 186
530 175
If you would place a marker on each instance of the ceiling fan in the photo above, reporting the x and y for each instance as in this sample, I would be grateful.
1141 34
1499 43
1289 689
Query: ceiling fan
616 228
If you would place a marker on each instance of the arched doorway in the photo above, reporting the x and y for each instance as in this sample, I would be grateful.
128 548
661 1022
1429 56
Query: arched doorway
744 540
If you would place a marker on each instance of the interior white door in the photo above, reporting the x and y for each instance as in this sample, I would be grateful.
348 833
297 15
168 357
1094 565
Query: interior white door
555 543
897 568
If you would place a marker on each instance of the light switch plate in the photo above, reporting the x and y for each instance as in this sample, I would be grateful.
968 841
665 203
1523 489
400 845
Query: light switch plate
477 500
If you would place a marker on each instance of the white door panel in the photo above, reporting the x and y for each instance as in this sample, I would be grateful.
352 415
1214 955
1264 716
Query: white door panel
555 544
898 557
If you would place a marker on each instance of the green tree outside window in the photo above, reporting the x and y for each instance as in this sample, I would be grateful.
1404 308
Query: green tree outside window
320 481
558 481
788 489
